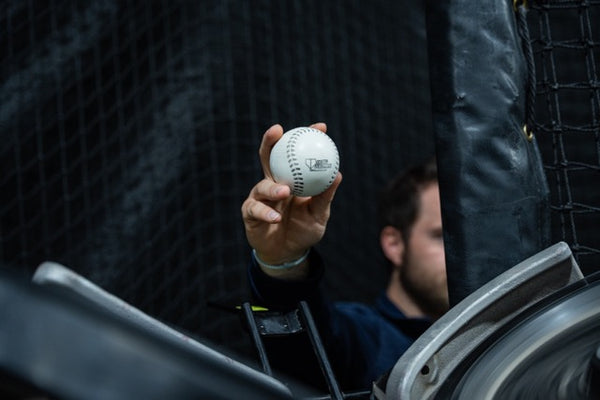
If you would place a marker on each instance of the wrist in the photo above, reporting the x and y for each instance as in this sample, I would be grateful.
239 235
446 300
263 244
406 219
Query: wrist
280 267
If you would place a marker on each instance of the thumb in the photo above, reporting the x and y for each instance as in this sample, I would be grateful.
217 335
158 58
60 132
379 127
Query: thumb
321 203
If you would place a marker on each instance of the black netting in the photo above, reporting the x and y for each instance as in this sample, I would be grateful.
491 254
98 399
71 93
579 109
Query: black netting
129 137
129 134
566 41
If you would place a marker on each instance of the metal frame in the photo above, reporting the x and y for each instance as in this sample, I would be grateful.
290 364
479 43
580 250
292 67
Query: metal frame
307 325
425 366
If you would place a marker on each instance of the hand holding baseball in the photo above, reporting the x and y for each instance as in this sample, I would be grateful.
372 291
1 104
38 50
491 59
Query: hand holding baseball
279 225
306 160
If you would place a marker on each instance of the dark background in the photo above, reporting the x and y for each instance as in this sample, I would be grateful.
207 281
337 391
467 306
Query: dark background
129 133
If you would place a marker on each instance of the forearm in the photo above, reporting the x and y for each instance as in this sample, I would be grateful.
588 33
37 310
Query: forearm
338 331
283 292
294 270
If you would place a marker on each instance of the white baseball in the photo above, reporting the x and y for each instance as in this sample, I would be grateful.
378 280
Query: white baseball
306 160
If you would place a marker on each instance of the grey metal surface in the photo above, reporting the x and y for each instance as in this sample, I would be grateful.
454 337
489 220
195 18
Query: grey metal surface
422 370
59 277
546 355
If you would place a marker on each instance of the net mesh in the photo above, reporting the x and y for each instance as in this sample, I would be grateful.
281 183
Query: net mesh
129 135
566 44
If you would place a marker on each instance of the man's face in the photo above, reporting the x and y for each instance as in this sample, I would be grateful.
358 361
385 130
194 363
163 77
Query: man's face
423 273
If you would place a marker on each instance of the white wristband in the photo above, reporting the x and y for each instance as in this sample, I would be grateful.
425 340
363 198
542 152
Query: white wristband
286 265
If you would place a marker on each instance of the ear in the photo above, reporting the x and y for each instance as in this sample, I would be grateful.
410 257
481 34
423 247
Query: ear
392 244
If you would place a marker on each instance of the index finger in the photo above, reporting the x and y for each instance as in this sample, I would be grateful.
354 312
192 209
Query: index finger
270 137
322 126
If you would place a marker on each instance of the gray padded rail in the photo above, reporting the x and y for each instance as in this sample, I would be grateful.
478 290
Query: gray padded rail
212 372
420 371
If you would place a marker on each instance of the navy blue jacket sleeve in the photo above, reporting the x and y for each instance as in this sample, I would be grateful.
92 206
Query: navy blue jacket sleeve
282 294
293 355
351 339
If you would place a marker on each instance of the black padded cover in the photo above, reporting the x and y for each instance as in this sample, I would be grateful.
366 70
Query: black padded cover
60 344
494 192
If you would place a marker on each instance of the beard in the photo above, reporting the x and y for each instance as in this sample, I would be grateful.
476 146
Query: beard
430 293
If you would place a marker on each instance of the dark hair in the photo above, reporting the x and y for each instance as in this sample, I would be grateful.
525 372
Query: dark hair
399 202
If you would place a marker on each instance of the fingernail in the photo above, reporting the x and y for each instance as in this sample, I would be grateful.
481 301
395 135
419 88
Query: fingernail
273 215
